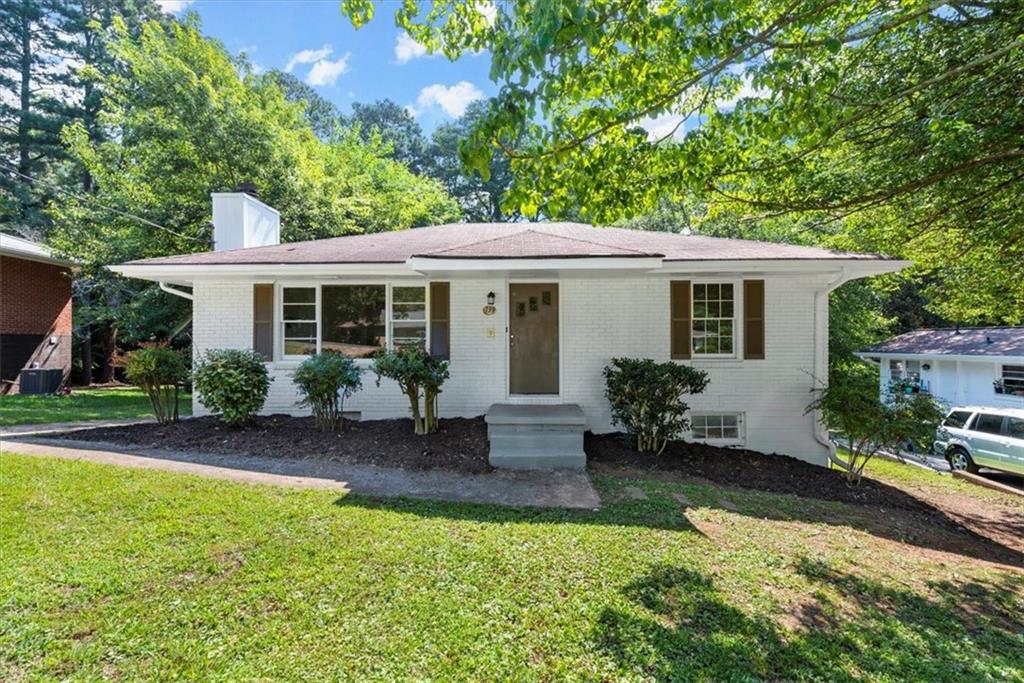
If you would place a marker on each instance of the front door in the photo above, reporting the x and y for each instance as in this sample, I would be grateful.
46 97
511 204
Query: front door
533 338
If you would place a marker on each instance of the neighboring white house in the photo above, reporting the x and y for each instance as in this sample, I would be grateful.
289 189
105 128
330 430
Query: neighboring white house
529 313
978 366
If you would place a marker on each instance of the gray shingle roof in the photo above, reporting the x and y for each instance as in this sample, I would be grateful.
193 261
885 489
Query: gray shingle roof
973 341
507 241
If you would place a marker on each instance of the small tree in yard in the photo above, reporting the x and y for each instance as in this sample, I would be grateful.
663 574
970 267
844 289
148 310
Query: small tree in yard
325 381
417 372
851 406
647 399
158 371
232 382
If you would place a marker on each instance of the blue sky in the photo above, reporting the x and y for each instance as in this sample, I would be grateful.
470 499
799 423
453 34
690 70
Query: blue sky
344 65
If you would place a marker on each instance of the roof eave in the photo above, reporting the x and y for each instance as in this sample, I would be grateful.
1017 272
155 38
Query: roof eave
429 264
965 357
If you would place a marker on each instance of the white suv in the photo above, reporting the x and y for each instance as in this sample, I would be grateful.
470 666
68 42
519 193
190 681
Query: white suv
982 437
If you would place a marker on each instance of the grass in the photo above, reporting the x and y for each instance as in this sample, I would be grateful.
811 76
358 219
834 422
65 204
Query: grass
911 476
81 404
112 572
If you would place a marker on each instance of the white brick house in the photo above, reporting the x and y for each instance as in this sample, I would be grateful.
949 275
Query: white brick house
529 314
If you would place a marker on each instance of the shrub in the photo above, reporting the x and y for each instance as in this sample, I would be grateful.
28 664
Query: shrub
647 399
158 371
851 405
325 381
416 372
233 383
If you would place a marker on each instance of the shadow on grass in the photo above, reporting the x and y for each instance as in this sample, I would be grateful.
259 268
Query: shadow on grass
681 627
924 526
640 513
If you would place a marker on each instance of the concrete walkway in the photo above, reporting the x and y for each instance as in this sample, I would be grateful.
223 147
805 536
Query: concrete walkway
52 427
549 488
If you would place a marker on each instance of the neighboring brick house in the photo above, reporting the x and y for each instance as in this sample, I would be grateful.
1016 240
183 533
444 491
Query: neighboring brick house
528 314
35 310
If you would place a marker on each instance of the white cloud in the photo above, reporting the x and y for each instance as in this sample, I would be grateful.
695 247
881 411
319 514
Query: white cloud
453 99
662 126
308 57
406 48
173 6
326 72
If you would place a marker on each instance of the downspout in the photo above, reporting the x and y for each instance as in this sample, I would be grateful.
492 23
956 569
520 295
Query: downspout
176 292
821 356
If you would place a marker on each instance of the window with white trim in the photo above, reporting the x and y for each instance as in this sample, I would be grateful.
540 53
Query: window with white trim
1013 379
717 426
714 319
298 321
408 317
355 319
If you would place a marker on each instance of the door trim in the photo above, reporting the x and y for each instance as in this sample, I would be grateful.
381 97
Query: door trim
534 398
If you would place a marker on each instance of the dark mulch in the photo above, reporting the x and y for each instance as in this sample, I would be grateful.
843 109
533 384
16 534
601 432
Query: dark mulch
459 444
741 468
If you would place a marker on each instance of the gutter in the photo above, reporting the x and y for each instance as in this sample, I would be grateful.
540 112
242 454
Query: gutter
176 292
820 354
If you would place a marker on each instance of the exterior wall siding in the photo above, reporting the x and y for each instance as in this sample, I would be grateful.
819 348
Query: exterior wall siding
35 317
958 383
600 318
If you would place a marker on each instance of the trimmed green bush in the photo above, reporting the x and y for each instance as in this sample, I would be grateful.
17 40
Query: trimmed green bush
850 405
232 383
647 399
417 372
158 371
325 381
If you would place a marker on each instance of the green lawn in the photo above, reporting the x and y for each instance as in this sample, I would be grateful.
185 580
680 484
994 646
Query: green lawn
122 573
919 478
82 404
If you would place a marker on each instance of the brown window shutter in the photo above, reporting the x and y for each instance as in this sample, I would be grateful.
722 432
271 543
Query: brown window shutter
440 320
753 319
263 320
680 314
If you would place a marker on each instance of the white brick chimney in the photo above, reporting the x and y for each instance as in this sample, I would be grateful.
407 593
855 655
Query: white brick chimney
241 220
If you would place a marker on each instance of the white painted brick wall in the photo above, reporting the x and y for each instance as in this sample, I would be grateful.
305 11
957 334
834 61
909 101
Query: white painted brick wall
601 318
221 319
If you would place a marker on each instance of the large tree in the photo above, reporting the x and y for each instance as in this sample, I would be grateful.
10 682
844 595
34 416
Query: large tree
481 197
396 127
899 122
321 114
51 52
180 122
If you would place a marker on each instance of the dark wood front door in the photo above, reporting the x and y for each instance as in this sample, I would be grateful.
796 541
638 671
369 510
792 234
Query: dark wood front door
533 338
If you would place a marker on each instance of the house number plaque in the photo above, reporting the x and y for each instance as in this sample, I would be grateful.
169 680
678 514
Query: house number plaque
489 309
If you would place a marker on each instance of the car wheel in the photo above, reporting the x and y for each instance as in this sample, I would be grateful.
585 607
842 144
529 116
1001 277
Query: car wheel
960 461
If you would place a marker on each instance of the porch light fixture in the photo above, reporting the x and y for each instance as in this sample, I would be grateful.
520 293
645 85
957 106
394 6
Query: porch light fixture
490 298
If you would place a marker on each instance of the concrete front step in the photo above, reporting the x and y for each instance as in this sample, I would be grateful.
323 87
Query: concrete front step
536 436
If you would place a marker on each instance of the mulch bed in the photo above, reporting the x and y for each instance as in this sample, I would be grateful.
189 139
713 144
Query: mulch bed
741 468
459 444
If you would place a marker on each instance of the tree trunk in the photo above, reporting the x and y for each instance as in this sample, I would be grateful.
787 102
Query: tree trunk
414 405
87 355
24 139
109 350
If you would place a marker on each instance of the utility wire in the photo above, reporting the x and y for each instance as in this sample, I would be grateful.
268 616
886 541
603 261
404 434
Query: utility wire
89 200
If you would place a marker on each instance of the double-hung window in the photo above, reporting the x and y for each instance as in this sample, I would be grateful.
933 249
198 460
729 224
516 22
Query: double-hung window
408 317
298 321
714 319
356 320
